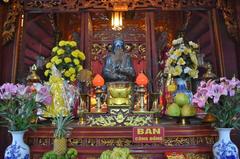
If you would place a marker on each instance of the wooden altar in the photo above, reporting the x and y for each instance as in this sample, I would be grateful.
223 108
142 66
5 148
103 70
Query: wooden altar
195 141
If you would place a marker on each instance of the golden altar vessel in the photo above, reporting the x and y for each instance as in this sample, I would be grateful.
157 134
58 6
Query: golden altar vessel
119 94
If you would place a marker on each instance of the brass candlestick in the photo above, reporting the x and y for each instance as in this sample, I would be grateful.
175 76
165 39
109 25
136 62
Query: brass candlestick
98 99
142 91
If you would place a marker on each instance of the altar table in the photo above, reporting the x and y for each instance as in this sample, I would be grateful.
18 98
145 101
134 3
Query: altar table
195 141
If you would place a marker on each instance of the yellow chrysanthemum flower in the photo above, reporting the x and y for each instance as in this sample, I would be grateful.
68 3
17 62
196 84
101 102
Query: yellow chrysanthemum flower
49 65
82 56
80 67
55 58
177 71
72 78
55 49
181 61
62 43
177 53
67 74
73 43
67 60
46 73
193 73
71 70
75 53
76 61
57 62
60 51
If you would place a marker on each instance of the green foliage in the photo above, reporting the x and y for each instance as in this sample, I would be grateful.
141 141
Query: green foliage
116 153
70 154
19 114
226 111
62 124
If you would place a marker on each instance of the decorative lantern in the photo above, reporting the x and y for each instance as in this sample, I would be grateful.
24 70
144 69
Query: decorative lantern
98 82
117 23
142 81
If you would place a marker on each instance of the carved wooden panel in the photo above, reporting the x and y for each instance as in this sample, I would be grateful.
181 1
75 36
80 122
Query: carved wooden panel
76 5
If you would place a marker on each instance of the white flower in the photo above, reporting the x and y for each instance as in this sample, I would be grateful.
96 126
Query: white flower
177 41
174 42
180 40
194 45
187 69
174 57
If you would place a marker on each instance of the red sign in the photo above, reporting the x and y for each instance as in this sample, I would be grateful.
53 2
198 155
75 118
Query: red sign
148 134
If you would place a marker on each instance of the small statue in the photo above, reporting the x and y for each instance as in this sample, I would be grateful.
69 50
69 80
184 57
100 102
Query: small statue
118 64
209 73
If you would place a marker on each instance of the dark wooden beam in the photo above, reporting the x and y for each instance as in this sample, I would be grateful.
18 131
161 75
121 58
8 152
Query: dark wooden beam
46 31
202 31
36 39
29 58
35 51
193 23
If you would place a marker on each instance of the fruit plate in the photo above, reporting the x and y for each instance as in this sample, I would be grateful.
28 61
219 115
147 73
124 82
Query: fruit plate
182 120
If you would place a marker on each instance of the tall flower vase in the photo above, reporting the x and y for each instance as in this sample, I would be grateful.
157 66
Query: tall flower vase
182 88
224 148
18 149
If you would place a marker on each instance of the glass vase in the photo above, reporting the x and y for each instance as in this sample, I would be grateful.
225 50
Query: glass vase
182 88
18 149
224 148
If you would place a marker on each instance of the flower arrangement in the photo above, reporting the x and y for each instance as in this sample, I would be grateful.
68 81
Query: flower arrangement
67 58
182 60
19 105
221 98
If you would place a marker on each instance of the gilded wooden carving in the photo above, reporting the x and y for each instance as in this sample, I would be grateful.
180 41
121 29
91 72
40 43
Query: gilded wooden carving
197 156
124 142
9 26
135 50
178 141
119 117
230 18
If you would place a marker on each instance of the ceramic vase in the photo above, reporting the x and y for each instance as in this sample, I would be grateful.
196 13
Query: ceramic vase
18 149
182 88
224 148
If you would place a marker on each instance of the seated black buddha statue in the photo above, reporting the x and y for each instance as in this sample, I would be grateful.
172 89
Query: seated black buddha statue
118 65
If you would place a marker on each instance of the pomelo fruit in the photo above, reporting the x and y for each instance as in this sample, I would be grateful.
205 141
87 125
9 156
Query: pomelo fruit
188 110
181 99
173 110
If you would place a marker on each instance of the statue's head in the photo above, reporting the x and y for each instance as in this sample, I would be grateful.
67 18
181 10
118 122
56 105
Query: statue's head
117 44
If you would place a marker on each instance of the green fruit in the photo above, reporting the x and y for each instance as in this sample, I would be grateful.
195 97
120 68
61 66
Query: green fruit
106 154
173 110
181 99
188 110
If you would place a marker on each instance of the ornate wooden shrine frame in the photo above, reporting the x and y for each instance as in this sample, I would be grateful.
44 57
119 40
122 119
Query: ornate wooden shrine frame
13 26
